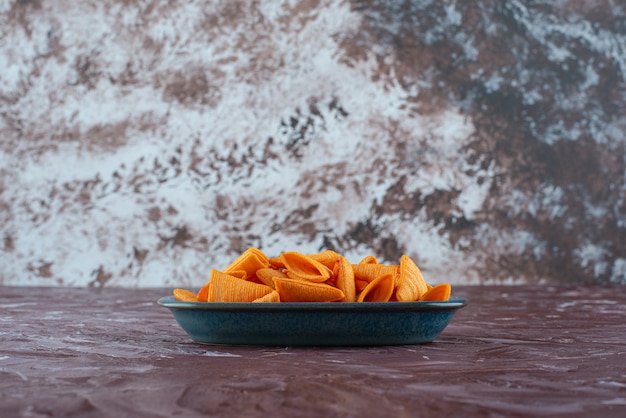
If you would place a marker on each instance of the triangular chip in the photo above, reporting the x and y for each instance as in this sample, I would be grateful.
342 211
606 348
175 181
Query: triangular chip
269 298
369 259
249 261
240 274
411 284
226 288
291 290
203 293
276 263
438 293
328 258
359 285
368 271
378 290
265 275
184 295
304 267
345 280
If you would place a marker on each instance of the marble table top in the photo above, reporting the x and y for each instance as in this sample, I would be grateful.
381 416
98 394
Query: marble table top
513 351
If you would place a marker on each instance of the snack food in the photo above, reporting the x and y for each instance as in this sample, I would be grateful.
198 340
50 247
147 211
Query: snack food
321 277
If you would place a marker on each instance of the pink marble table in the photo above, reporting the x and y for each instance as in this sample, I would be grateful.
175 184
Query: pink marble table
556 351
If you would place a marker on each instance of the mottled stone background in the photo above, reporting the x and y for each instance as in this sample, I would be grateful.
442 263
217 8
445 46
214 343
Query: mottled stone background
144 142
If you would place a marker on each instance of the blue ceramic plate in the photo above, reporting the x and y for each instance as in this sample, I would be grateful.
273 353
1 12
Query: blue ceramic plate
312 323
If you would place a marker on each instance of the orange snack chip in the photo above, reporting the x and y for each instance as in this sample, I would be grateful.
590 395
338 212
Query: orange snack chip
249 261
369 271
322 277
185 295
378 290
240 274
266 274
328 258
369 259
203 293
276 263
226 288
411 284
306 291
270 297
303 267
438 293
345 279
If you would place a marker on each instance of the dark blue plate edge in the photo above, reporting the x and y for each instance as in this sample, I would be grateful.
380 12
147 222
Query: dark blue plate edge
454 303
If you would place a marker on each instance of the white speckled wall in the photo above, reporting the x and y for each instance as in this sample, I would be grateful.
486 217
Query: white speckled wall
143 142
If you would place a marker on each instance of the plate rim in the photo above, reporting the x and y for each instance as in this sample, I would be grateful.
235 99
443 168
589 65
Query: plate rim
454 303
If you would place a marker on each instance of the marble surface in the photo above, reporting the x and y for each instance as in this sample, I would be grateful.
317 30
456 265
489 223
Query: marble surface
144 142
514 351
